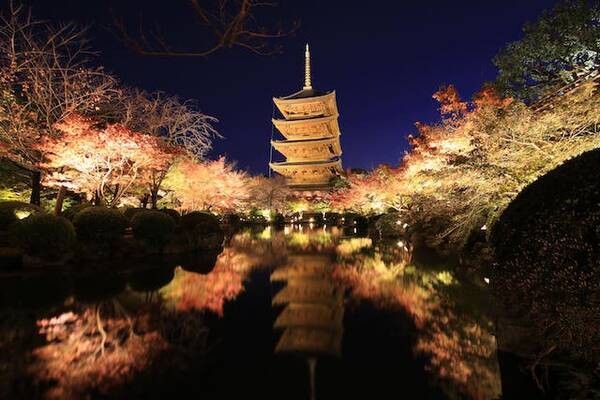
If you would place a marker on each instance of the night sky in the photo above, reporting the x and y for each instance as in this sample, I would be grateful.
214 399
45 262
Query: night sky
383 58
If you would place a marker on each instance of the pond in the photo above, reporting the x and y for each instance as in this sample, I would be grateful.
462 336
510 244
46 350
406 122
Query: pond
298 313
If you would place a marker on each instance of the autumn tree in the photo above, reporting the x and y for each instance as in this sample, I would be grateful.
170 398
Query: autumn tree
470 168
368 193
45 75
269 193
102 162
208 186
179 124
557 49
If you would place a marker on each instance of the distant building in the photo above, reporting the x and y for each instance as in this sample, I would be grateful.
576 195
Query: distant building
310 127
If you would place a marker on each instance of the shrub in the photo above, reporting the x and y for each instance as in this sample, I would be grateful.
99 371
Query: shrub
72 211
10 258
46 236
278 220
100 224
332 218
130 212
12 211
152 227
391 225
172 213
353 219
202 230
231 219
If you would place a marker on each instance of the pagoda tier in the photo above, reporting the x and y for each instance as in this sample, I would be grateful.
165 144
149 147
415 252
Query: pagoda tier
309 150
308 174
307 103
312 128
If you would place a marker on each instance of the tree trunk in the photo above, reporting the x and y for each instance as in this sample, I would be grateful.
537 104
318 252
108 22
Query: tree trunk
153 198
60 197
144 201
36 187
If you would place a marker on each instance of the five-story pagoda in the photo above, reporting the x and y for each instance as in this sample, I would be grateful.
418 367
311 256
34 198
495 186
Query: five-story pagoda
312 136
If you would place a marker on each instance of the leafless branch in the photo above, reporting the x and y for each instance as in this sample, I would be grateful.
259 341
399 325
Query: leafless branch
227 24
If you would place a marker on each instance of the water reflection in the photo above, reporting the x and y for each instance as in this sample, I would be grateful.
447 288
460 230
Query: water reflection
120 334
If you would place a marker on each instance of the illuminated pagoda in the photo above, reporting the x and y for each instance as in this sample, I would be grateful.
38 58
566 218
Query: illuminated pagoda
310 127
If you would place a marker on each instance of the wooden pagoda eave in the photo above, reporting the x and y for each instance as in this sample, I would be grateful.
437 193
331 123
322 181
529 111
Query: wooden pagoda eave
328 101
318 149
319 127
286 166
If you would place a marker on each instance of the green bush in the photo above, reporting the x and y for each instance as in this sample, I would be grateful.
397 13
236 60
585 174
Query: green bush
202 230
172 213
278 220
46 236
231 219
72 211
12 211
152 227
130 212
100 224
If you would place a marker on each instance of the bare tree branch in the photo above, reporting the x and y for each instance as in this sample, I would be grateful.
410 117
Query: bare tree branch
228 24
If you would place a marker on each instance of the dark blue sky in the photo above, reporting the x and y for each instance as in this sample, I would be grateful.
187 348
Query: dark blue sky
383 58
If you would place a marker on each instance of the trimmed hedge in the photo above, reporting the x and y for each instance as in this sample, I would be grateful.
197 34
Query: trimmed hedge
202 230
131 212
46 236
71 212
10 209
100 224
547 248
171 213
154 228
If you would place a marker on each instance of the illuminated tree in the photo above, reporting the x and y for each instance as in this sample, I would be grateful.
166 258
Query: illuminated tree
208 186
45 75
371 193
269 193
471 166
103 163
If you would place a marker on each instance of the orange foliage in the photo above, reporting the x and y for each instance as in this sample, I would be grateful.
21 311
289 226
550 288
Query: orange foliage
101 162
211 185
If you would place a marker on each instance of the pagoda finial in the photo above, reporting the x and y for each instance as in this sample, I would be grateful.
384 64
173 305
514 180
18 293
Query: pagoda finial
307 82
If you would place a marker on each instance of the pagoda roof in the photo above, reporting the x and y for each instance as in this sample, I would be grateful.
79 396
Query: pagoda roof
305 93
309 150
308 174
298 105
312 128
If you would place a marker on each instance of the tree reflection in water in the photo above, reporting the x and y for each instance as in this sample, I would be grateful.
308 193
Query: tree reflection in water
121 334
458 346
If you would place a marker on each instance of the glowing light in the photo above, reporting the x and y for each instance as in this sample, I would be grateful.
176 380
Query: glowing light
267 214
484 228
445 277
487 280
22 214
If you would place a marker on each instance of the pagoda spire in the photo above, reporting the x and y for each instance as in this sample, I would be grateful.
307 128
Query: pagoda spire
307 81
